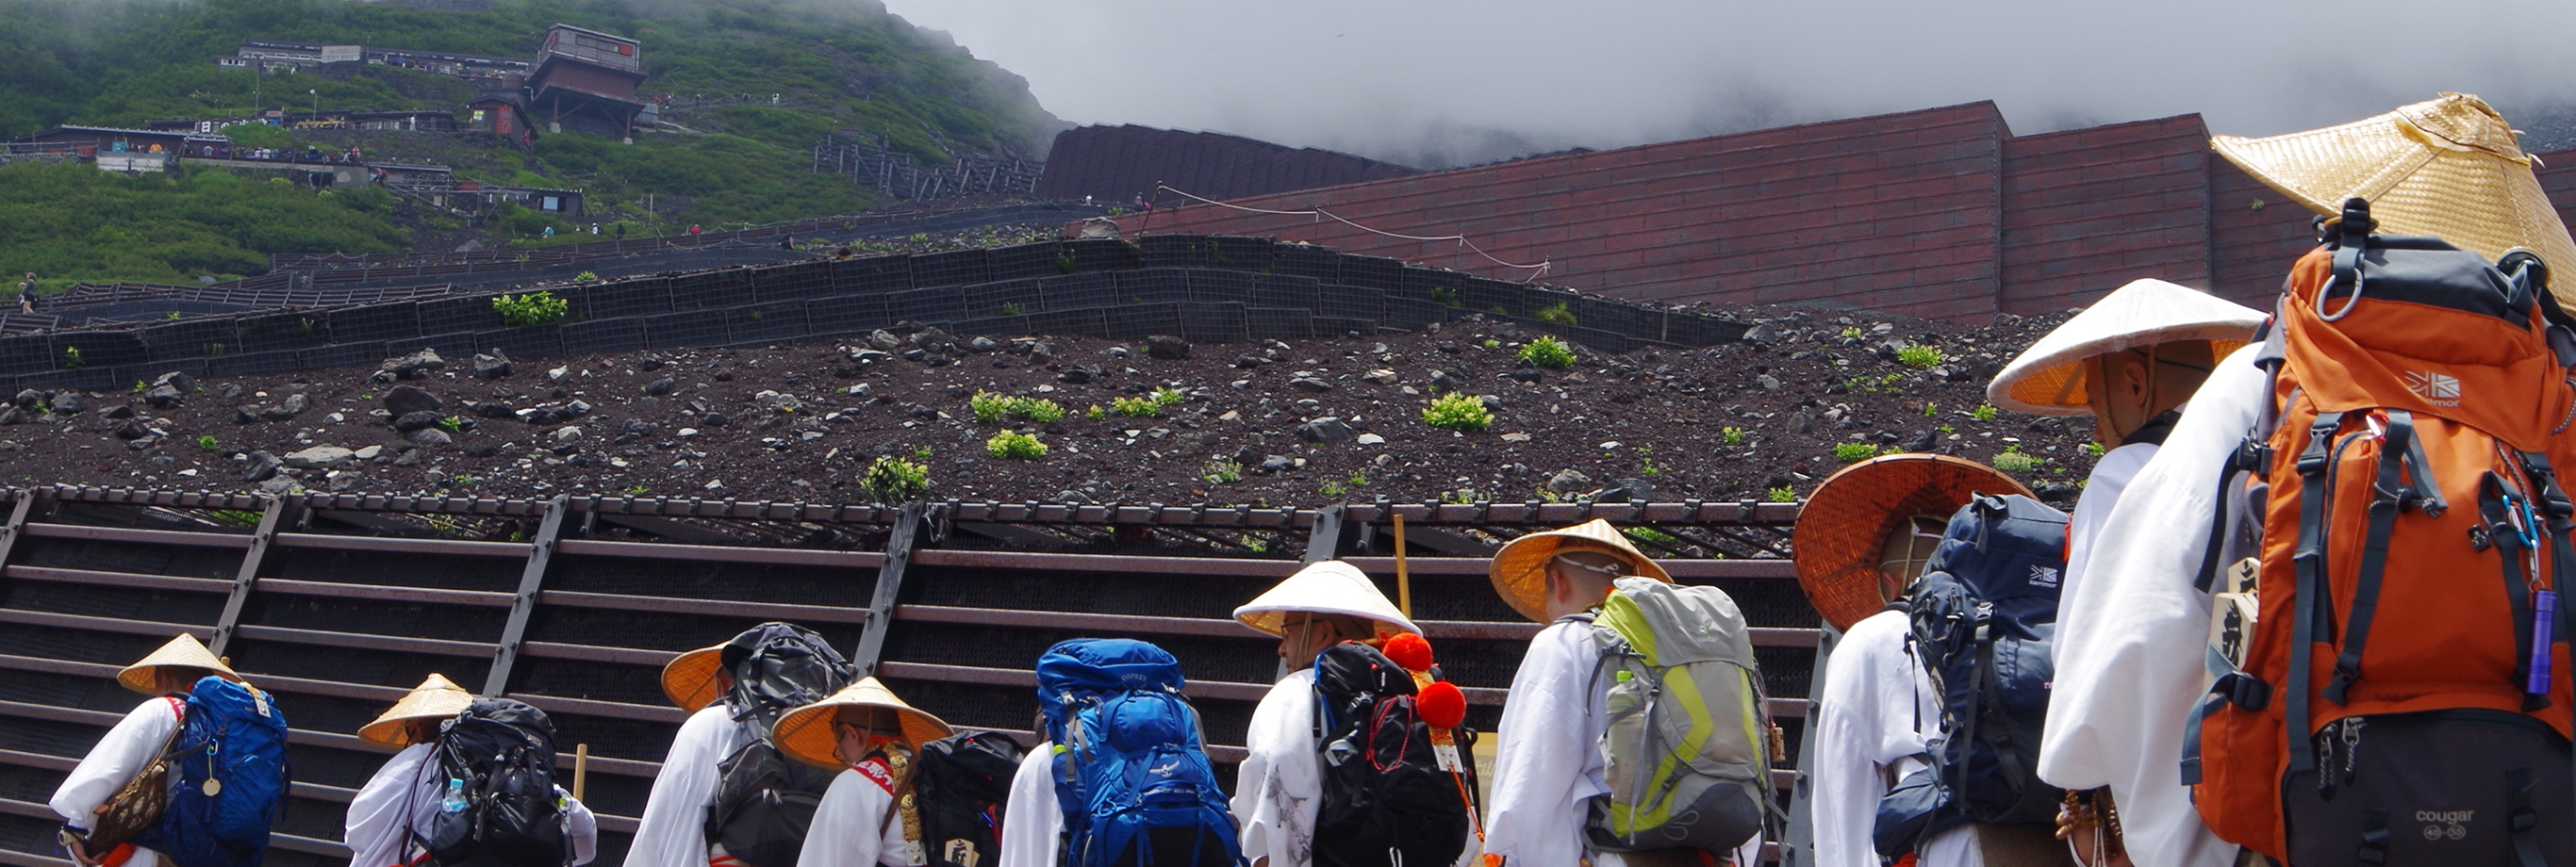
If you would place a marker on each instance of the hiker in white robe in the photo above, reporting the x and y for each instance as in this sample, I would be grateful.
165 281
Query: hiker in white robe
2130 658
1279 786
399 805
1032 821
129 747
872 736
671 832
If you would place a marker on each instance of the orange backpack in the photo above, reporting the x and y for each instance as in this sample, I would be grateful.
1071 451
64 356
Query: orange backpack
2414 543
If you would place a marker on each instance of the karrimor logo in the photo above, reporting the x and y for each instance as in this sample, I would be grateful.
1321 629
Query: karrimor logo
2043 576
2439 389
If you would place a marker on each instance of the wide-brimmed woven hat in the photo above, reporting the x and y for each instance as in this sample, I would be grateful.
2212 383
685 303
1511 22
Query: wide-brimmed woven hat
182 652
2048 378
1520 568
2448 167
689 680
1329 587
435 698
806 732
1844 524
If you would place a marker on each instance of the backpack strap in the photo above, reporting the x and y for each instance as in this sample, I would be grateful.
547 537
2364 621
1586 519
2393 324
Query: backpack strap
2353 239
2391 493
1997 736
2309 562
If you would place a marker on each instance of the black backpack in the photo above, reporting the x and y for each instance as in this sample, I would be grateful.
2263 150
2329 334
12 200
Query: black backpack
960 784
1386 800
496 763
1983 614
764 800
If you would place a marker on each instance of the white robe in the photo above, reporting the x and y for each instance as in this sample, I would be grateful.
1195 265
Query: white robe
403 799
1872 712
2129 663
126 749
845 831
672 831
1547 755
1032 823
2102 491
1278 789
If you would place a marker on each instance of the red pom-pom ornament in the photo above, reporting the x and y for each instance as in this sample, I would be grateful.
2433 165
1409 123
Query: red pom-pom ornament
1442 705
1409 650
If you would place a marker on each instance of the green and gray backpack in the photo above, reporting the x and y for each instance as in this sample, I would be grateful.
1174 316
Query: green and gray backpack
1689 737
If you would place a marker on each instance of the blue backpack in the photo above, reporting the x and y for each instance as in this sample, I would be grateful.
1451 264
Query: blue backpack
227 777
1131 774
1983 614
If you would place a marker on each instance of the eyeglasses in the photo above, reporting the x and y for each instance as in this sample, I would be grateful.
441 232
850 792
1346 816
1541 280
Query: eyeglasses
1620 570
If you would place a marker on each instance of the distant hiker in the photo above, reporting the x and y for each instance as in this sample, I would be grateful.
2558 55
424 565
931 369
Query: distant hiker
394 819
1865 536
621 231
872 739
1121 701
787 242
843 252
693 230
549 233
1328 616
1618 629
126 804
27 294
724 796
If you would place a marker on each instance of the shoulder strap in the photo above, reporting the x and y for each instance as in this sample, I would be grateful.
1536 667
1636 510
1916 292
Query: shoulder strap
2308 562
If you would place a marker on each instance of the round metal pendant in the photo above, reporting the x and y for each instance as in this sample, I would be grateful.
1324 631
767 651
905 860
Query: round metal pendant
214 787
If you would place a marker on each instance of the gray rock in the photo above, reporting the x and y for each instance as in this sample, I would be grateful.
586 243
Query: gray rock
1310 384
279 486
1380 376
1525 374
1042 352
409 458
1568 481
29 398
1275 463
1767 382
260 467
70 402
983 344
1921 442
640 427
1440 379
246 414
229 390
1759 334
164 396
413 366
295 404
118 411
1329 429
884 341
1492 402
1626 491
493 365
871 356
131 429
1801 422
402 400
661 386
320 458
1079 374
1369 439
494 409
431 437
184 383
273 413
566 434
412 421
1165 346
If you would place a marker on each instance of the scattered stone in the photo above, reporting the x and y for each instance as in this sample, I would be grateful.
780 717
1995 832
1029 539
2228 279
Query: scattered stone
566 434
412 421
714 419
1767 382
1312 384
557 375
132 429
1921 442
1274 463
1166 347
494 409
184 383
402 400
368 454
70 402
1801 422
273 413
1042 352
1569 481
295 404
430 437
320 458
1329 429
413 366
1626 491
279 486
661 386
493 365
164 396
1515 437
884 341
1079 374
229 390
640 427
1526 374
1116 351
1380 376
118 411
983 344
410 457
1369 439
1759 334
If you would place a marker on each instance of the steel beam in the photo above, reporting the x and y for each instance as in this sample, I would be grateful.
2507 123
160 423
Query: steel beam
280 512
532 578
898 556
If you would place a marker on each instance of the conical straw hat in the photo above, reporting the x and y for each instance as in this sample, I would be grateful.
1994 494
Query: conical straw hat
435 698
182 652
1842 527
1520 568
1329 587
2048 378
806 732
689 680
2448 167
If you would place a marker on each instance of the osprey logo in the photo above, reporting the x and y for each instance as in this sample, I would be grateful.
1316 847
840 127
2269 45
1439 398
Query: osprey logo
2043 576
2439 389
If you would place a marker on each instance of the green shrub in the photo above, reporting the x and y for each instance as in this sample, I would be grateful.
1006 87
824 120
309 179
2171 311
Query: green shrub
1016 446
1555 315
1222 472
1460 412
990 407
1165 396
1731 435
1920 355
72 358
207 443
451 424
1442 295
1135 407
1984 412
1781 494
1851 333
894 479
1012 309
1852 453
534 308
2012 460
586 277
1094 413
1929 408
1548 352
2093 449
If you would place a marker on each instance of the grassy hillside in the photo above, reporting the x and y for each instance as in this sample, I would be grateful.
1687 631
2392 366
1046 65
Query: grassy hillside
66 220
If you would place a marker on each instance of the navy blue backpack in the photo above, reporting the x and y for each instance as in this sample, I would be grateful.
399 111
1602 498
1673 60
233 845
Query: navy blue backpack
227 778
1131 773
1982 614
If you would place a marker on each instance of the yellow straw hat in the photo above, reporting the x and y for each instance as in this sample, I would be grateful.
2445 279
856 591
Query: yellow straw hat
689 680
1843 525
435 698
2048 378
2448 167
1520 568
1329 587
182 652
806 732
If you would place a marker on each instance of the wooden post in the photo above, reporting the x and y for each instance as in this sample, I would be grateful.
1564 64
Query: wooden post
1403 577
580 768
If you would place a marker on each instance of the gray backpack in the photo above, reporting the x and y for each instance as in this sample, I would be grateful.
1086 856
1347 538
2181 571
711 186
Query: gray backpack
1688 740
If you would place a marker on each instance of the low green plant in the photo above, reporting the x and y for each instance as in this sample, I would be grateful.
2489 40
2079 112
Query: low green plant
637 490
72 358
1330 489
2092 449
1731 435
1492 343
1063 265
894 479
235 517
1548 352
451 424
1984 412
586 277
1781 494
1359 477
1853 453
140 385
1094 413
1946 429
466 480
214 350
2012 460
1851 333
1015 446
1459 412
1222 472
1166 396
1442 295
919 238
921 452
1649 534
990 407
175 316
207 443
1929 408
1920 355
1555 315
1135 407
1461 496
1010 308
535 308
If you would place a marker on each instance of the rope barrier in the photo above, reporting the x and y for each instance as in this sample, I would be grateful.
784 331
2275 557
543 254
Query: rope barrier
1536 271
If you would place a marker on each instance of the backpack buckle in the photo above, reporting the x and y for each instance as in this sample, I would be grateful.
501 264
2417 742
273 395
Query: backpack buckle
2243 690
2253 456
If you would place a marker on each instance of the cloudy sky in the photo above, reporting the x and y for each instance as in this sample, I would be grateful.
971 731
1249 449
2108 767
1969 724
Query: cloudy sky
1434 82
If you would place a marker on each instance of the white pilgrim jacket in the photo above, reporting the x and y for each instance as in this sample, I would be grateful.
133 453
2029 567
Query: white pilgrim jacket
403 799
1278 790
672 832
1872 709
2102 490
1032 822
856 825
126 749
2131 633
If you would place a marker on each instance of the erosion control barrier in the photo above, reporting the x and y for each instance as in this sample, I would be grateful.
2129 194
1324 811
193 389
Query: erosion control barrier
1201 287
340 603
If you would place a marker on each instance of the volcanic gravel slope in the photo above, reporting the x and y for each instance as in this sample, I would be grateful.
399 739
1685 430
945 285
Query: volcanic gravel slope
802 423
